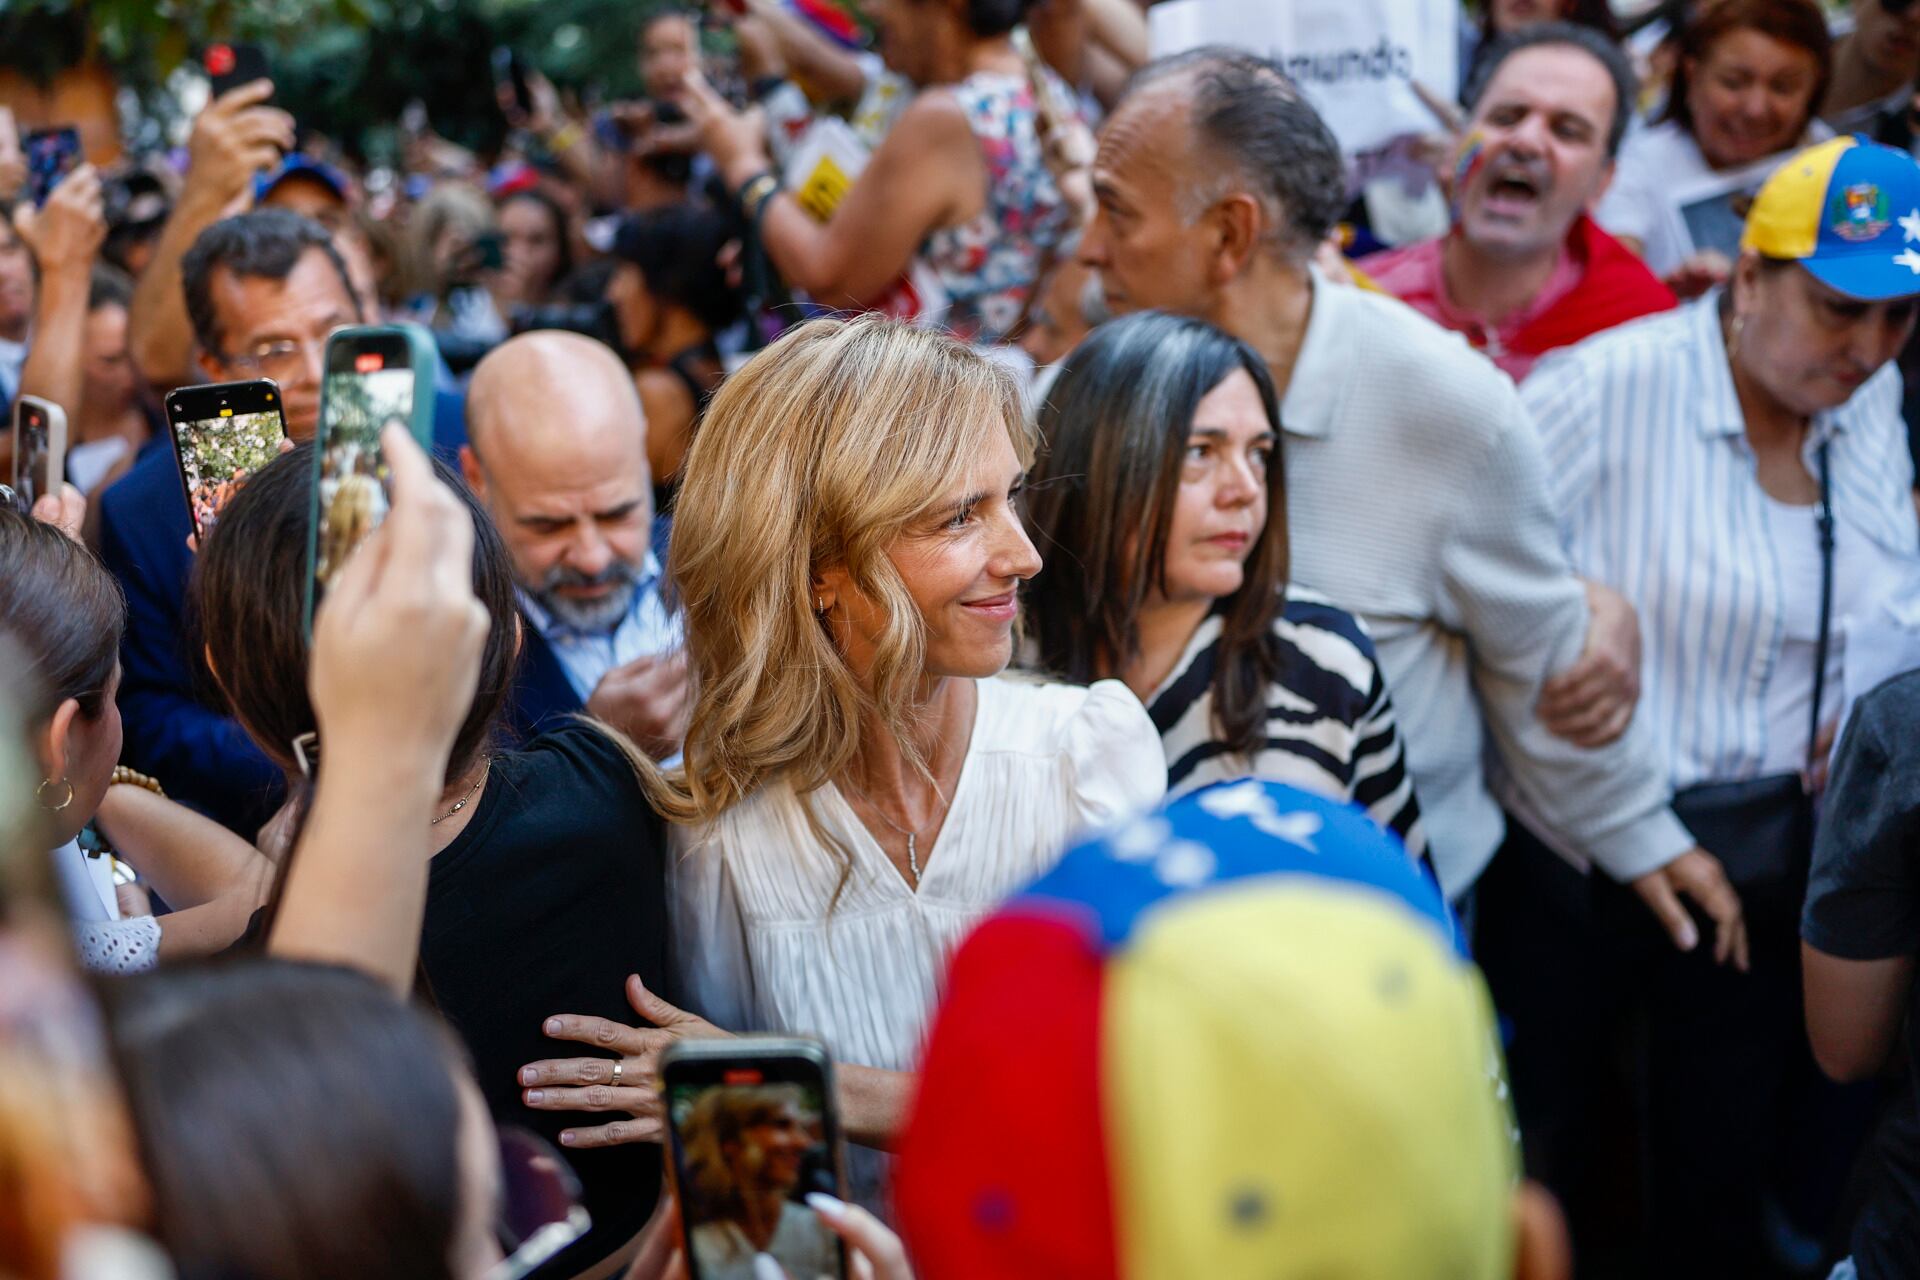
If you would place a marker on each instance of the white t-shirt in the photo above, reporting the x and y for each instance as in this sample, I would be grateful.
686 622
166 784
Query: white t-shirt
1863 575
1666 196
759 948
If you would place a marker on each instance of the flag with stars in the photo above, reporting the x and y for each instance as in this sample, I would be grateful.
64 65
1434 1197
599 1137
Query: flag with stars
1234 1038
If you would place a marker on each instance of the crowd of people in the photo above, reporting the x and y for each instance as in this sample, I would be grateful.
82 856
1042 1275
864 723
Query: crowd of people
1263 738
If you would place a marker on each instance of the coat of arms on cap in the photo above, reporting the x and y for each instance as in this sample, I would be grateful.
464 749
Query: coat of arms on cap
1860 212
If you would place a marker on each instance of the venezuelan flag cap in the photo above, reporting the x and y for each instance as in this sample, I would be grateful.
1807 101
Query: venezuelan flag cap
1847 210
1234 1039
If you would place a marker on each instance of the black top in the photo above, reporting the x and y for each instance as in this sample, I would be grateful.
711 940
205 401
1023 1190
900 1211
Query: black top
1863 903
550 897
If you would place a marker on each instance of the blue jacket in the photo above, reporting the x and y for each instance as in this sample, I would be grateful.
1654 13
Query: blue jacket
174 730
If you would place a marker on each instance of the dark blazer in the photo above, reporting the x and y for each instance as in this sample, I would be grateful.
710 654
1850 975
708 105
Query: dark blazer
174 728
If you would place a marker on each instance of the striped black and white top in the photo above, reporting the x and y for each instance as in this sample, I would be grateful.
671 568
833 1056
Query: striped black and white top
1330 724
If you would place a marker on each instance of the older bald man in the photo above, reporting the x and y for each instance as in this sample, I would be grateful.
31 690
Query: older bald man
557 452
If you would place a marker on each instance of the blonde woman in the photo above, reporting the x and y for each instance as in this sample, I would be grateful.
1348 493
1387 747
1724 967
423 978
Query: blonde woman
860 783
745 1152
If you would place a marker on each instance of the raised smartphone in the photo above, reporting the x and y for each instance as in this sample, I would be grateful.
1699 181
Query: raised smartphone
222 434
373 375
228 66
39 448
52 154
752 1129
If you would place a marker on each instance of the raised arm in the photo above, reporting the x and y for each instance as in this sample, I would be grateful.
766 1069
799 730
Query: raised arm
65 238
827 72
923 177
212 879
234 138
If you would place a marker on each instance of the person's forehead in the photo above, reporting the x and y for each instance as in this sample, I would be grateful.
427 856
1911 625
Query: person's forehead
1553 78
1149 139
311 297
557 473
669 32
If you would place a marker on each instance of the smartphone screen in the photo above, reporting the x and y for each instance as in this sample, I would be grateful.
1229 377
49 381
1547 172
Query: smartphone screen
51 155
369 384
752 1137
32 454
222 436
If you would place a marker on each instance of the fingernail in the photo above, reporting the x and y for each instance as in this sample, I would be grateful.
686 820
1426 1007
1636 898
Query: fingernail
821 1202
553 1026
535 1097
529 1076
566 1138
1689 938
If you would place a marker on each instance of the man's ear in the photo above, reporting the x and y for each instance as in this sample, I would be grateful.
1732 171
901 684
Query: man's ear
1237 224
53 743
1602 187
470 468
1541 1249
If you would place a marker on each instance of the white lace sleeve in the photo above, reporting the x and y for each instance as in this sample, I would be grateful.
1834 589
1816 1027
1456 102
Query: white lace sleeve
119 946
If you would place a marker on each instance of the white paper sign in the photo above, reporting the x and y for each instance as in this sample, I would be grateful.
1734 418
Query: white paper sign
1354 60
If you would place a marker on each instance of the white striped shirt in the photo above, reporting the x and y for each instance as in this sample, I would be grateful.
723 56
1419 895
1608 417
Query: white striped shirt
1658 497
1330 726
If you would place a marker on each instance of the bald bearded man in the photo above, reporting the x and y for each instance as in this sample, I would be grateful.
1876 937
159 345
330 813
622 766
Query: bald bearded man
557 452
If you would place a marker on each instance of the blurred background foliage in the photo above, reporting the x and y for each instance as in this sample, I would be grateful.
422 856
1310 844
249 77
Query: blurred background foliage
347 68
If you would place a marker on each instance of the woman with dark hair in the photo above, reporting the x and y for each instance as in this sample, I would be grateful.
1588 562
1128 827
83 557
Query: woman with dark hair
545 886
297 1122
1750 77
64 614
536 251
1160 507
960 177
670 297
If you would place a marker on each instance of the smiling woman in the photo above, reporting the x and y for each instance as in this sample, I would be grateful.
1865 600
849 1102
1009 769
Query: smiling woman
860 785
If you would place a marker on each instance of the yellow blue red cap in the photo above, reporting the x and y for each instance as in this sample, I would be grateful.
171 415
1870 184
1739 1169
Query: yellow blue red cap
1847 210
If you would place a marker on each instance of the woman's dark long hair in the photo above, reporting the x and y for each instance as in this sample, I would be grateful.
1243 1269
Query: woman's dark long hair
297 1121
249 595
562 237
1100 503
65 614
1801 23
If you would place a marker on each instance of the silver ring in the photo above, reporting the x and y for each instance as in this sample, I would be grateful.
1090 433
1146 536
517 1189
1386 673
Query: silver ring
617 1064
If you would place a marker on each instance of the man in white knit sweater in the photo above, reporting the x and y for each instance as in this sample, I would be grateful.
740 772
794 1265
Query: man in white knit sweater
1416 496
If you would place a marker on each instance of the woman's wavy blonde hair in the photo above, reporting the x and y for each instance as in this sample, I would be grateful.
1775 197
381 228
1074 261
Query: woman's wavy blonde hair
815 455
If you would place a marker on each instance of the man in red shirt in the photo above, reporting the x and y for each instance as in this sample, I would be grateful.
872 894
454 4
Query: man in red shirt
1524 269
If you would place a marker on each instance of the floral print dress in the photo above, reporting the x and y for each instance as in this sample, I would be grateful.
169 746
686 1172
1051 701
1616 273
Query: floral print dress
989 264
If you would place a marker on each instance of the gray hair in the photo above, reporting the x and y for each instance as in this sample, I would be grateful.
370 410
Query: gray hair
1626 88
1271 143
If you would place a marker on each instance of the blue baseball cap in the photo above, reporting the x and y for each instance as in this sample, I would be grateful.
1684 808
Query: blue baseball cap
295 166
1847 210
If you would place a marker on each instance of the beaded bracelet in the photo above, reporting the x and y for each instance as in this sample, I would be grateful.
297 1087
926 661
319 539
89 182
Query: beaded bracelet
125 777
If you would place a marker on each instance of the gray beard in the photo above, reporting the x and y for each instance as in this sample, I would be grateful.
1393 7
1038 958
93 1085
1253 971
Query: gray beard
602 615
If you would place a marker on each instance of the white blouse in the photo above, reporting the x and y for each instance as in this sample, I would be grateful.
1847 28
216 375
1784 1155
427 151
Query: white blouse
758 947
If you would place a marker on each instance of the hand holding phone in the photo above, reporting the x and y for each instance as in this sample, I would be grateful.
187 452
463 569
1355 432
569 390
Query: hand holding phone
228 66
222 435
39 449
752 1134
51 155
374 375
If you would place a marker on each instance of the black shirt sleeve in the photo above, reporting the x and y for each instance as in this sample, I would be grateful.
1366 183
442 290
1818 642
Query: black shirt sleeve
1863 896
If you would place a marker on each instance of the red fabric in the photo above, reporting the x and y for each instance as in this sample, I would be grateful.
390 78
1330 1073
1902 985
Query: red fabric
1003 1165
1616 287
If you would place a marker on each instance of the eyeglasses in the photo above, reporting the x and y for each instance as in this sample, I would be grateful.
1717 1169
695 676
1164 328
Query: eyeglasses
283 361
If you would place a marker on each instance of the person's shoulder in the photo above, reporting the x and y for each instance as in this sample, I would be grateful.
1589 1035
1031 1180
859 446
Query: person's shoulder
146 487
1887 712
1302 607
1662 340
1404 355
578 762
1409 268
935 117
